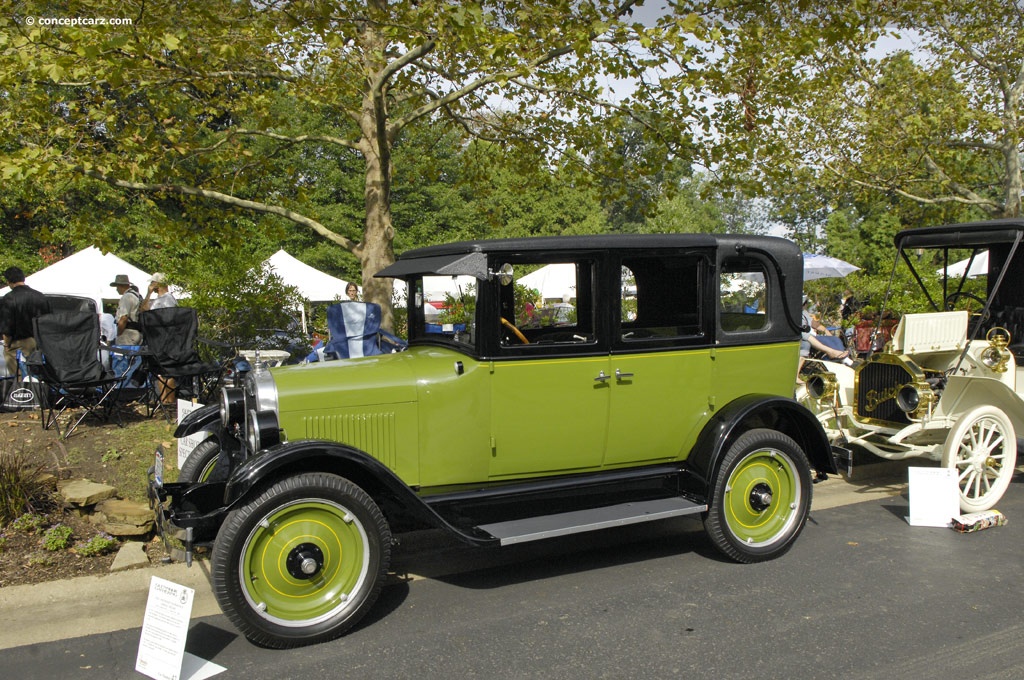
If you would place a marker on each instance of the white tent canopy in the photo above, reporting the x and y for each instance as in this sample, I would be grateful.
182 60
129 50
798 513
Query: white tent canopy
313 284
554 281
978 268
87 273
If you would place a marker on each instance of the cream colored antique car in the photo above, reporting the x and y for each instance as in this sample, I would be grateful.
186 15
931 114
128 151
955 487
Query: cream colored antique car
947 387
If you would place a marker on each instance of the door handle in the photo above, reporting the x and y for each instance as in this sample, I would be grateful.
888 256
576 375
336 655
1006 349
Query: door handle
619 375
602 377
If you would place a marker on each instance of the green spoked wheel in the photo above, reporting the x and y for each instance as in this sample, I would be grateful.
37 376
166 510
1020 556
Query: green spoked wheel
760 498
301 563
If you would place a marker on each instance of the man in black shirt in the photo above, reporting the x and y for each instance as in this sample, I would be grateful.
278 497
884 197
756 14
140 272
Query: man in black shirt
19 307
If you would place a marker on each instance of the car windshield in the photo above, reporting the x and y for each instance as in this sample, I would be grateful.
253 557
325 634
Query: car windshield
444 309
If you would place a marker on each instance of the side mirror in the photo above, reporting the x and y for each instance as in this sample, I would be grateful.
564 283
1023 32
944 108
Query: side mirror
504 274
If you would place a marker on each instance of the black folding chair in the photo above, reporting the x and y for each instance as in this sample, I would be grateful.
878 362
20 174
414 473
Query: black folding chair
170 335
67 365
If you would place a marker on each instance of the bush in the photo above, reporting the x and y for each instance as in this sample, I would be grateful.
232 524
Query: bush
57 537
22 487
29 523
99 544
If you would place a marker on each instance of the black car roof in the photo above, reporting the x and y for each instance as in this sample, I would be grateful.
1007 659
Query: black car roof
467 257
967 235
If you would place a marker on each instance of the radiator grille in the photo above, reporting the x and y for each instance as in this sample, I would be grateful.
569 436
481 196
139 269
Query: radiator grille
877 386
370 432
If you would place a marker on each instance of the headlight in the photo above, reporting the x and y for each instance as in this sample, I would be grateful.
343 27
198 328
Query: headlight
232 406
260 391
914 399
261 430
822 386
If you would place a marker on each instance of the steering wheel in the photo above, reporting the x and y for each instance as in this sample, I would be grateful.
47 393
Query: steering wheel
953 298
518 333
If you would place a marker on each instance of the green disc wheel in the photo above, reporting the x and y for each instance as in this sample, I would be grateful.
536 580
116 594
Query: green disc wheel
302 562
201 464
760 497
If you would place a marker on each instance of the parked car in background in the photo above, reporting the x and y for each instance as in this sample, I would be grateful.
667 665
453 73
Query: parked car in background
947 386
671 405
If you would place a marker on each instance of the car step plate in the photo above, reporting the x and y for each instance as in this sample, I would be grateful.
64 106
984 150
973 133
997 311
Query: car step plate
579 521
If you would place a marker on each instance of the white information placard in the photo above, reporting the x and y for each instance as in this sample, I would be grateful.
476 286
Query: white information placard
164 629
187 444
934 496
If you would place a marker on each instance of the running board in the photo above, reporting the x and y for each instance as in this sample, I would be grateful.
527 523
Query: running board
579 521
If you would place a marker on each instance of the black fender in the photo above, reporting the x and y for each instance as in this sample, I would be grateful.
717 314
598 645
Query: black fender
359 467
753 411
202 419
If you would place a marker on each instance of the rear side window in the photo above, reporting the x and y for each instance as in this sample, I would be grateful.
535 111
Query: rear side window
743 296
661 298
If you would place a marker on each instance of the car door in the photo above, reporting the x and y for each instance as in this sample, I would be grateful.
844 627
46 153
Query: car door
661 359
550 390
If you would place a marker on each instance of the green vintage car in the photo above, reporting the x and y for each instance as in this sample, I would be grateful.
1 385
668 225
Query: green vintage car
550 386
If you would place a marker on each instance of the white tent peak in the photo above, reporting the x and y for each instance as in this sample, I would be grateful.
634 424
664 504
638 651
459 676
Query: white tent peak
86 273
313 284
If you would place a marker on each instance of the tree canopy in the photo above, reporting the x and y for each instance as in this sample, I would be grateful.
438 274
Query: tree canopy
182 102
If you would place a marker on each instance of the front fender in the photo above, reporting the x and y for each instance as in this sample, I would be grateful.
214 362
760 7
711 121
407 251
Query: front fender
359 467
754 411
205 419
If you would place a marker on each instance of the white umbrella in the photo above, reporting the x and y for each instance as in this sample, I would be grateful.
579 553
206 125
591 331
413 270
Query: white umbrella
978 268
825 267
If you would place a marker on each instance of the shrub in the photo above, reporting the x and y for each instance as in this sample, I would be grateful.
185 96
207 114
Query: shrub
99 544
29 523
57 537
22 487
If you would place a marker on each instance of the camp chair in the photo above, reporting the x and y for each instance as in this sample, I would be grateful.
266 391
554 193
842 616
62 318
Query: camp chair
356 332
66 363
170 335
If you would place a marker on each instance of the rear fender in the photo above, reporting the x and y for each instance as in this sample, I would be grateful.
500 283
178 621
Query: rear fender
757 411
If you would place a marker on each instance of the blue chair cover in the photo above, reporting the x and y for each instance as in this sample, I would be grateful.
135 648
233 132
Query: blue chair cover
355 331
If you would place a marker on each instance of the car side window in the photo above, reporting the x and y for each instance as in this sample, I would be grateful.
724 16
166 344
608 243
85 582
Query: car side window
661 298
447 307
742 296
550 303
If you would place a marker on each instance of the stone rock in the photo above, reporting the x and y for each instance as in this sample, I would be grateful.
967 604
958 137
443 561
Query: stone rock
84 492
131 555
123 518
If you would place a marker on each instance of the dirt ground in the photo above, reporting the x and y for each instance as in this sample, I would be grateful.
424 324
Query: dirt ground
101 452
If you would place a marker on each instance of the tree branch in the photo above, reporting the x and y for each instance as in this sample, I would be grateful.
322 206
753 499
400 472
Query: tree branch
328 139
227 199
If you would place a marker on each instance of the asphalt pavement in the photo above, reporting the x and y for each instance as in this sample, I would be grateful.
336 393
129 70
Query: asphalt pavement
862 594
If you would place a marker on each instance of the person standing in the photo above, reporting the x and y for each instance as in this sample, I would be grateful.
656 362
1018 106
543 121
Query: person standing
20 306
158 285
352 291
128 330
163 299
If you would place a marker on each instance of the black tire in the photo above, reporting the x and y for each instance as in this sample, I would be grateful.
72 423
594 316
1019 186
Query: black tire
281 560
761 497
201 464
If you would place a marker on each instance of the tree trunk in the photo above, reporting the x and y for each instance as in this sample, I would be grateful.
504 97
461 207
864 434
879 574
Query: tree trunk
376 250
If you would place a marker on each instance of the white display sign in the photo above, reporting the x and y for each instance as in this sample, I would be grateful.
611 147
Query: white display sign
934 496
187 444
162 654
164 629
